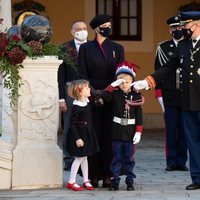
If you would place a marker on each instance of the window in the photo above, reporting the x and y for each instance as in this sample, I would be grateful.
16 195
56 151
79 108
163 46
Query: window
126 18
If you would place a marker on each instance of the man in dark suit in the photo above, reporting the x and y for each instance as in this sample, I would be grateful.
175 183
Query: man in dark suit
98 60
188 59
168 95
67 72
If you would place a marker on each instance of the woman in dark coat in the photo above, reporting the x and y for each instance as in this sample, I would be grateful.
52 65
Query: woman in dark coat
97 61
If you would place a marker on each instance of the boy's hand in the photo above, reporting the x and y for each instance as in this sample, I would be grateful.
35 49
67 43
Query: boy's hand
136 138
79 143
117 82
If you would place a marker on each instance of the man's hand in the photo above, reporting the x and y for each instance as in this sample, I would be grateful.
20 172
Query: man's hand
136 138
160 100
117 82
63 106
140 85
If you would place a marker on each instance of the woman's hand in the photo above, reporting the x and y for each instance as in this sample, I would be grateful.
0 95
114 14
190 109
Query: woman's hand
79 143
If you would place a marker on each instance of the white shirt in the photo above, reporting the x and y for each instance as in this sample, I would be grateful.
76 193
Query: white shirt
78 43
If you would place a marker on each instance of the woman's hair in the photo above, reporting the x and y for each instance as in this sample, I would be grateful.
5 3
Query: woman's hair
75 87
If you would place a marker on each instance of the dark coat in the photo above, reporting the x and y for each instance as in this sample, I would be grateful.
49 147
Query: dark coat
81 127
67 72
170 92
118 99
188 59
99 66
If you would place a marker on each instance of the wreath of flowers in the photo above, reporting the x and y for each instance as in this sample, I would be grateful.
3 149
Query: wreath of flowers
12 53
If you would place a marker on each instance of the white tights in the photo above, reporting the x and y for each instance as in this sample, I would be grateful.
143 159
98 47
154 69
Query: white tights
79 161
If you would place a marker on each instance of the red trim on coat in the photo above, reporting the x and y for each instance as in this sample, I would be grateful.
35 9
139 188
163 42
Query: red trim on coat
139 128
158 93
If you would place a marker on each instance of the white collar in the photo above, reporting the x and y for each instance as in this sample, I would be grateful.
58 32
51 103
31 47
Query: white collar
80 103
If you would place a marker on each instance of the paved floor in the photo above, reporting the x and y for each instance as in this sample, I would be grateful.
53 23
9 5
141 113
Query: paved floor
152 182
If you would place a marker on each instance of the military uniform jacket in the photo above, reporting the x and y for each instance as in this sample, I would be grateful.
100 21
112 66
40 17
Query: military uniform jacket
66 72
81 128
170 94
98 63
188 58
118 99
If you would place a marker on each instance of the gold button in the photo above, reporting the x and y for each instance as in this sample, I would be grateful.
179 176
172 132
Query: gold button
191 81
191 73
191 66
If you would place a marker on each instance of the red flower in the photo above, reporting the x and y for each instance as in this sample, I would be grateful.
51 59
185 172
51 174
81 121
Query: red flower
3 43
16 55
16 38
36 47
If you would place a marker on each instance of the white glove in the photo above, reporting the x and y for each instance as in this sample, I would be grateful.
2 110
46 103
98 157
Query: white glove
160 100
136 138
140 85
117 82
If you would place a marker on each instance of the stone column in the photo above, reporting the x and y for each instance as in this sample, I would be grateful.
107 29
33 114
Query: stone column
7 138
37 159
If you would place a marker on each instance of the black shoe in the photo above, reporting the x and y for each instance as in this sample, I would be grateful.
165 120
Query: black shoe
94 182
193 186
113 187
182 168
171 168
130 187
106 182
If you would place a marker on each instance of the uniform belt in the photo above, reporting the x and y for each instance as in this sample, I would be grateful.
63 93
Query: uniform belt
123 121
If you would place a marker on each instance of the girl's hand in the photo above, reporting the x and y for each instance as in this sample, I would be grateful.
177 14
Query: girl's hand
79 143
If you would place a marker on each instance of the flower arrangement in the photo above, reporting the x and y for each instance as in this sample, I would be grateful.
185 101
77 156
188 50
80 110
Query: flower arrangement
13 51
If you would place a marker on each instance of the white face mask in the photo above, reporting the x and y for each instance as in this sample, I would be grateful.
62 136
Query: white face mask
81 35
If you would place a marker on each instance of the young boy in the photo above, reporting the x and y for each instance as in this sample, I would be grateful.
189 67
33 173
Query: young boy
127 123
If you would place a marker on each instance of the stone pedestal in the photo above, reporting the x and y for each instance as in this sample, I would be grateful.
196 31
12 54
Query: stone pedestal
5 164
37 159
7 139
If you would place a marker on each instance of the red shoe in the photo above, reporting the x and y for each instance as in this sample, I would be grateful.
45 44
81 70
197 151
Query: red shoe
87 185
73 187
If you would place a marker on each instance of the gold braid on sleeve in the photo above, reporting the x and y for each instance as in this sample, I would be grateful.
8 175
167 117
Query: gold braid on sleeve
151 82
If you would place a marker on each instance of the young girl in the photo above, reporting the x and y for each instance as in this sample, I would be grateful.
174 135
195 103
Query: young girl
81 140
126 128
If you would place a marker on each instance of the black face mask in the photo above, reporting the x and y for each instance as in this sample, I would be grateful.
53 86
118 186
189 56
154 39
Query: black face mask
105 31
187 33
177 34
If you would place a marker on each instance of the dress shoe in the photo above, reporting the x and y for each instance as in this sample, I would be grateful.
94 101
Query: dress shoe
171 168
94 182
182 168
130 186
106 182
87 185
114 187
193 186
74 186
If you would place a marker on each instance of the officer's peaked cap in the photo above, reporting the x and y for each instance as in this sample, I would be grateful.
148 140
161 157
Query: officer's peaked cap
173 21
189 16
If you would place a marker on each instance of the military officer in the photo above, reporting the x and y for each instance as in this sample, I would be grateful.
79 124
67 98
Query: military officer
168 95
188 58
97 62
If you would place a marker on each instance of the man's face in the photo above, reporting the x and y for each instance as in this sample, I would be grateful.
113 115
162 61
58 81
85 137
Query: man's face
78 26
